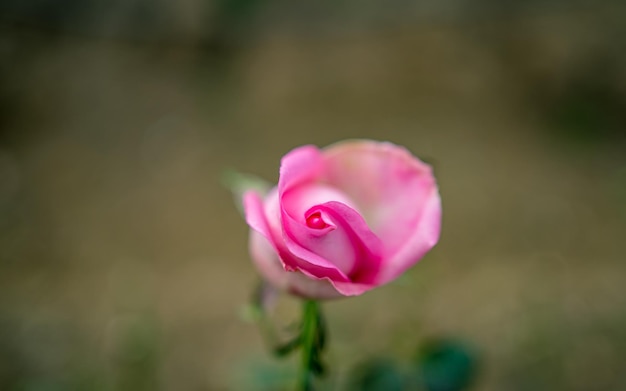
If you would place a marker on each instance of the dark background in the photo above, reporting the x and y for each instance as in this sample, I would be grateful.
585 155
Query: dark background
123 261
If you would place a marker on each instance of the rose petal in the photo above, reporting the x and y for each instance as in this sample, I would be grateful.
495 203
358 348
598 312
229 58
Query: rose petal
302 167
332 243
425 236
255 213
266 260
258 220
344 220
347 243
387 183
299 200
362 242
351 289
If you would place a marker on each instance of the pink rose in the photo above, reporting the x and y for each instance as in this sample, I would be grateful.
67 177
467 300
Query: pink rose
344 219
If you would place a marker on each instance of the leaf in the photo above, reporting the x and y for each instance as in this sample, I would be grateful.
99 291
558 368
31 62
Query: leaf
239 183
321 335
445 365
317 367
288 347
250 313
378 374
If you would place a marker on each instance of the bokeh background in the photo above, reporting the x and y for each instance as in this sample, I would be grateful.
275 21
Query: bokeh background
123 260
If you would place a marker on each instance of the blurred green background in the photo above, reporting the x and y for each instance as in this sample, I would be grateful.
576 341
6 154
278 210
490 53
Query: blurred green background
123 261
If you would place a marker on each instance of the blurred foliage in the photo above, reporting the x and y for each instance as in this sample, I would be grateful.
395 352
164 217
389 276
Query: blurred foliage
445 365
53 356
239 183
378 374
439 365
137 355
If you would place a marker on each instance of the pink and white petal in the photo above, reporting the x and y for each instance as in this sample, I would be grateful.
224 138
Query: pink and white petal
425 236
302 168
327 248
346 244
351 288
294 257
268 263
301 165
257 218
298 200
386 182
311 288
270 267
309 261
254 210
356 236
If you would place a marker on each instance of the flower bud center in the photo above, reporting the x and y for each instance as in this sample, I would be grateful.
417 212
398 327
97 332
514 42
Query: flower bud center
315 221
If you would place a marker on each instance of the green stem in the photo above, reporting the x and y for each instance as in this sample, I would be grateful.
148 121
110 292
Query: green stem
309 335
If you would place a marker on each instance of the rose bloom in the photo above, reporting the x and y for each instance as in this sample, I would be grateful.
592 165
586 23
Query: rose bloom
343 219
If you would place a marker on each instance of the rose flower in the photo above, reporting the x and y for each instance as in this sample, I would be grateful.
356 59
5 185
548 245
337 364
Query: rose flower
344 219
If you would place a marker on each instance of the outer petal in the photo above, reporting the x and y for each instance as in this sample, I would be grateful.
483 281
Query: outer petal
301 165
352 289
266 260
255 214
390 187
269 265
425 236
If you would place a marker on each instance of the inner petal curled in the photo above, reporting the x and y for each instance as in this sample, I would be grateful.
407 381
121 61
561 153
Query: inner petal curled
299 201
315 221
